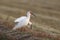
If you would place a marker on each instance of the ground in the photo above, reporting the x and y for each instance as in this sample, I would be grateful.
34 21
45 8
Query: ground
6 33
47 15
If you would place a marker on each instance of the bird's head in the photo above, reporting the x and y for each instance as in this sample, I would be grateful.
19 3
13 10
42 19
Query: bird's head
30 13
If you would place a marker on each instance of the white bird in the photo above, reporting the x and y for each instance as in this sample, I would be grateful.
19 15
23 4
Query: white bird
23 21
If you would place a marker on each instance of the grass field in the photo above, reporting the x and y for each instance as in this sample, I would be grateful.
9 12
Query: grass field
47 12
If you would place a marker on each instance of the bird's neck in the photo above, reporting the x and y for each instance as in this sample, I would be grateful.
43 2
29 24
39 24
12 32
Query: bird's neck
28 16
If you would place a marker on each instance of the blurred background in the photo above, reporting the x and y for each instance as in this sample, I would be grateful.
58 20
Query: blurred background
47 11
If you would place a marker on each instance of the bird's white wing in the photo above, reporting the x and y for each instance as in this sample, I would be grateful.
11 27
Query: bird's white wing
19 19
21 23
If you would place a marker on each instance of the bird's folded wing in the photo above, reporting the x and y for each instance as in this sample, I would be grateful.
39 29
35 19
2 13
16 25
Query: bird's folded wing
19 19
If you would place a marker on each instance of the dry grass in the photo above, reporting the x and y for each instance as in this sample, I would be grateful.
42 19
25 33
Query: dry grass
23 34
47 11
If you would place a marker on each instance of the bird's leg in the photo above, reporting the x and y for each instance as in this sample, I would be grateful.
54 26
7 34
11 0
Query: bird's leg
30 24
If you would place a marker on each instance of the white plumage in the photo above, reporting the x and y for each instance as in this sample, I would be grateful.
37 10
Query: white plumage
23 21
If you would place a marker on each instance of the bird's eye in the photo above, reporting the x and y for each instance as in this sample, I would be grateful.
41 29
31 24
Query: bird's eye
30 12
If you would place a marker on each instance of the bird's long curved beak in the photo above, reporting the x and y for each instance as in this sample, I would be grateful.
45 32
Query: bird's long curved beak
33 14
